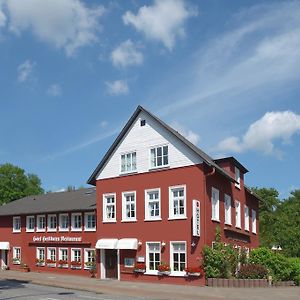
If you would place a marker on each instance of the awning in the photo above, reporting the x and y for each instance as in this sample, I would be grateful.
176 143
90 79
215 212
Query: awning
107 244
4 245
131 244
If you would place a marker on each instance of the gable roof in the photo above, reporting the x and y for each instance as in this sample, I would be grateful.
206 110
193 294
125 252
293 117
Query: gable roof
206 158
234 161
79 200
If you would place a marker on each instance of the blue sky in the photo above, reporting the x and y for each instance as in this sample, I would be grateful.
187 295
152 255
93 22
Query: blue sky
225 74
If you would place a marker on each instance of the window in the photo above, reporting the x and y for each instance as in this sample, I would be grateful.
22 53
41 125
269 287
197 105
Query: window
17 255
51 255
77 222
76 258
109 208
159 157
237 177
30 223
89 257
143 123
40 255
90 221
63 257
40 223
63 222
129 206
153 257
253 221
178 257
215 204
227 209
246 211
237 214
152 204
128 262
16 224
52 223
128 162
177 202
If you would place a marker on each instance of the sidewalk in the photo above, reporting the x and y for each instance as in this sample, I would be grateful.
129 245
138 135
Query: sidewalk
151 290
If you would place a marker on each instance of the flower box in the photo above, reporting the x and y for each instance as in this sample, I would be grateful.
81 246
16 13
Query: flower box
139 268
193 274
194 271
75 265
163 273
163 269
16 261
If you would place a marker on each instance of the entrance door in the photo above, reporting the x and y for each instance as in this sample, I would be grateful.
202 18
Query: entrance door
111 264
3 259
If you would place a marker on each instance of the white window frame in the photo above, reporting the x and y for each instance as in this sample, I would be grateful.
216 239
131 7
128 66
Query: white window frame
60 256
215 204
125 218
227 207
131 169
172 216
73 216
237 177
238 214
14 224
148 271
15 256
104 215
38 251
253 218
73 256
129 262
177 273
86 215
155 166
246 217
148 217
86 257
38 228
60 222
50 229
49 255
28 218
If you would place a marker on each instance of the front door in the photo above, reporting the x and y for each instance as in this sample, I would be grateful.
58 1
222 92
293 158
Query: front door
111 264
3 259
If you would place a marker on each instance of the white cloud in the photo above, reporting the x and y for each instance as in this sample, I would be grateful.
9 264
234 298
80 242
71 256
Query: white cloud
187 133
126 54
117 87
262 134
54 90
2 17
25 70
163 21
66 24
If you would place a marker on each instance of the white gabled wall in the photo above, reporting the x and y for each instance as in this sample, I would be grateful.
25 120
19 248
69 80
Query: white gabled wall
141 139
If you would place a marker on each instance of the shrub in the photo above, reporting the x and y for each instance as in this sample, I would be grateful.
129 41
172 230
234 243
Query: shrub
252 271
295 269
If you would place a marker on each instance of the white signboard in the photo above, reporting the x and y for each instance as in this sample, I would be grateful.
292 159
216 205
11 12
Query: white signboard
196 218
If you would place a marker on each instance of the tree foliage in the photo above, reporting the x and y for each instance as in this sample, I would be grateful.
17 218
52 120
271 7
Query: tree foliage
279 221
15 184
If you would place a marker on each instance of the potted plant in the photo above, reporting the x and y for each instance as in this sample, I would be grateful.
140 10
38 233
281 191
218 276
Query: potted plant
62 263
24 267
164 269
194 271
50 262
75 264
16 261
91 266
39 262
139 268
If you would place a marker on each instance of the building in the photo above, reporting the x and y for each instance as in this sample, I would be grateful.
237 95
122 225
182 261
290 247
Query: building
159 199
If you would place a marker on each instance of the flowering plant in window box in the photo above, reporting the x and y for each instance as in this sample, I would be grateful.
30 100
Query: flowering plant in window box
51 262
194 271
62 263
39 262
75 264
16 261
139 268
164 269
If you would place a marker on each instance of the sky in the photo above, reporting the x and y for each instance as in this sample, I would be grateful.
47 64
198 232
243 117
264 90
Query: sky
226 74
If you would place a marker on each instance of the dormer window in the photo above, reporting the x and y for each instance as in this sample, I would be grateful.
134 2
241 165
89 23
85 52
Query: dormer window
159 157
237 177
128 162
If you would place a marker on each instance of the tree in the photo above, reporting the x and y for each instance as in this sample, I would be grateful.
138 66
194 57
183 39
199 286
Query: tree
15 184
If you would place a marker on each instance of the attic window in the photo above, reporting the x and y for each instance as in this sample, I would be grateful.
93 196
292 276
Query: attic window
143 123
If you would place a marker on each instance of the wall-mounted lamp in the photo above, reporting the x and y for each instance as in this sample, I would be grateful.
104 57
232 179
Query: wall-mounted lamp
163 244
193 244
140 243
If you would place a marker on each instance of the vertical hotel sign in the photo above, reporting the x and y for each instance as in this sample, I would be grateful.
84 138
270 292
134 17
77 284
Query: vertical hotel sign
196 218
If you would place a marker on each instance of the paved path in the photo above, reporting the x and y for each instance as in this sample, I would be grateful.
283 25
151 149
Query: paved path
151 290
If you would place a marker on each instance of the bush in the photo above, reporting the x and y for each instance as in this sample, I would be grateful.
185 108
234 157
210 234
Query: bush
295 269
277 264
252 271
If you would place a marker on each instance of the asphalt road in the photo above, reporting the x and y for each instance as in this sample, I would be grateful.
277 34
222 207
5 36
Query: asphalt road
18 290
